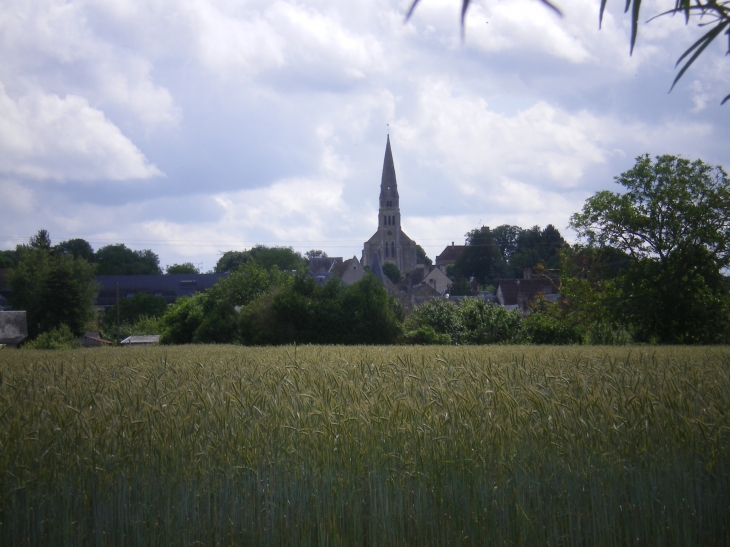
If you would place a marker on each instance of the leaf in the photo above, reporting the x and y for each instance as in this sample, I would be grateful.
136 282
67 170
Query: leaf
634 23
600 14
411 9
699 46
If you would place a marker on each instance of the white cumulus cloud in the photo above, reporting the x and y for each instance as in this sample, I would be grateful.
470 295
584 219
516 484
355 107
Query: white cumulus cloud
44 136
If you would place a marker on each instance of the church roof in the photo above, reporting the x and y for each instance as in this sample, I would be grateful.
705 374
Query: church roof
388 182
377 269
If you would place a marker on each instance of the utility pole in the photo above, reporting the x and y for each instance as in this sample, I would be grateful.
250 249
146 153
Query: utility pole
118 313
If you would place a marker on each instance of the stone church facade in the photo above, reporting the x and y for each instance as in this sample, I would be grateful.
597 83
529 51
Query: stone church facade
390 243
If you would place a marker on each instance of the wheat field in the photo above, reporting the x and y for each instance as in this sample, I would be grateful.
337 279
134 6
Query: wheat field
371 446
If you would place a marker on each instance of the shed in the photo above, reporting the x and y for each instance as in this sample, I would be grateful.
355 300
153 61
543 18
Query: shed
13 327
93 339
147 340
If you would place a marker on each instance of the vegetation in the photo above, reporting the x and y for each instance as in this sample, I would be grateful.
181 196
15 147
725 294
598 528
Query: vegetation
120 260
54 289
421 256
131 311
365 445
392 272
60 337
504 253
712 13
184 268
470 322
670 231
284 258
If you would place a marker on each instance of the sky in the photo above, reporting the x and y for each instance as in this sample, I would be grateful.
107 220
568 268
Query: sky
194 127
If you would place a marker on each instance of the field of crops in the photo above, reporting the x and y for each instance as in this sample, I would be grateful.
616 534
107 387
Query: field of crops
377 446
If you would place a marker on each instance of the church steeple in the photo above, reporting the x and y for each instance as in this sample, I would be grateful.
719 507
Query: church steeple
388 183
389 244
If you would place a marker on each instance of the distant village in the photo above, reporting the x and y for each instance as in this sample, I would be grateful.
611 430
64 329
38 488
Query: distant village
396 260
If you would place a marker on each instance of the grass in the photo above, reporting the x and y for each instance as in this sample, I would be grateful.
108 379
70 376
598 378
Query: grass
220 445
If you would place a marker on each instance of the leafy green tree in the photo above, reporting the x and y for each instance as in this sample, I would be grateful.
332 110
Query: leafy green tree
8 259
460 286
284 258
681 300
440 315
481 259
131 310
78 248
715 14
54 289
315 253
306 313
184 268
392 272
120 260
668 204
421 256
590 287
42 240
536 246
674 223
60 337
506 237
182 319
373 317
211 317
548 323
485 323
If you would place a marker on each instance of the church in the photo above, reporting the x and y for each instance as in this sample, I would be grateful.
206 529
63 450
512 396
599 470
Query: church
389 243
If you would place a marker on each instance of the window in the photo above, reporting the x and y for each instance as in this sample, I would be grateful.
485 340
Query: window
392 249
386 250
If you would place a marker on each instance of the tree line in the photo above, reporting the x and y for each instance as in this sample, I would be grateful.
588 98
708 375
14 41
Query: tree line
649 268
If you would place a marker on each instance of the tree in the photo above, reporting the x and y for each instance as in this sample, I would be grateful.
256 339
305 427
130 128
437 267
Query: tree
669 204
673 222
42 240
421 256
120 260
284 258
715 14
184 268
211 316
506 238
132 309
315 253
54 289
392 272
536 246
481 259
8 259
78 248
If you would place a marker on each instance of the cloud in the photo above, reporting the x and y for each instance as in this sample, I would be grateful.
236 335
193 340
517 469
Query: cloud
460 134
43 136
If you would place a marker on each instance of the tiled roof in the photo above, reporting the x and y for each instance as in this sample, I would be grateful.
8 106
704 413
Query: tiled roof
450 254
323 264
340 268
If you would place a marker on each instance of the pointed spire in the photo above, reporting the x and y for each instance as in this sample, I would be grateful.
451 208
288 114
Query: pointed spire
388 184
376 268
